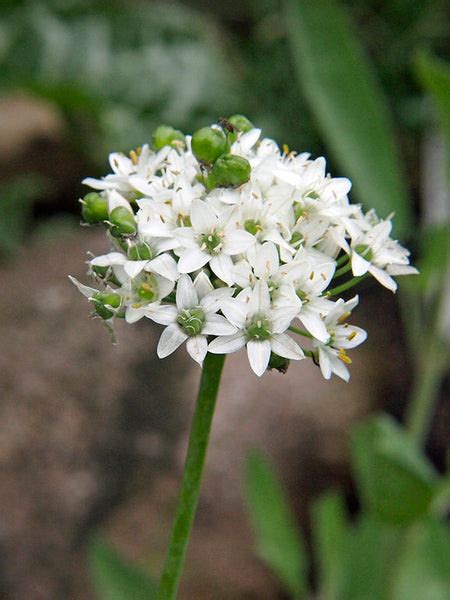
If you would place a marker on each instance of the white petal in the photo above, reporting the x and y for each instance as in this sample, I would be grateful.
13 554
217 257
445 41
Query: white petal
360 265
186 295
163 314
113 258
325 363
350 337
227 343
115 200
235 311
260 298
217 325
134 314
192 259
134 267
222 266
164 265
203 218
282 317
315 325
385 279
197 348
283 345
248 140
203 285
171 338
258 355
213 301
401 270
237 241
84 289
185 236
266 260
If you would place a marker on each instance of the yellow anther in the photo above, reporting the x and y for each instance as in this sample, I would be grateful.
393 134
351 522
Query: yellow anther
344 317
311 275
134 157
343 356
146 286
351 336
285 149
136 305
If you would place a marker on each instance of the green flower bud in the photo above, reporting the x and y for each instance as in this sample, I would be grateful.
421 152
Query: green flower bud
94 208
164 135
258 328
191 320
252 226
208 144
230 170
104 300
122 221
140 252
148 289
241 122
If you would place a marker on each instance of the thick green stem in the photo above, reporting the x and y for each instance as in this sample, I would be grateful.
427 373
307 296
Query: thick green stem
192 476
344 286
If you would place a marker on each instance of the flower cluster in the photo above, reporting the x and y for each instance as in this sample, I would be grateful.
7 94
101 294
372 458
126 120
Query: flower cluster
229 241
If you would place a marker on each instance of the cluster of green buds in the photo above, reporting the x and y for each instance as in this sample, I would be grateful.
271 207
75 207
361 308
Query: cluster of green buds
211 146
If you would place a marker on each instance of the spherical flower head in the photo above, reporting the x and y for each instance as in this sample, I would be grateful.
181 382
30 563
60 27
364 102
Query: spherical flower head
230 242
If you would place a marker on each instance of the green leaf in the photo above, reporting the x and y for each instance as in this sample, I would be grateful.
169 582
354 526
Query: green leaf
367 560
16 199
337 81
424 570
434 75
274 526
330 531
435 257
395 481
116 579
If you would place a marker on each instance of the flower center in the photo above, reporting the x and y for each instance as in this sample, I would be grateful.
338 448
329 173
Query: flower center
211 242
252 226
140 251
191 320
258 328
147 290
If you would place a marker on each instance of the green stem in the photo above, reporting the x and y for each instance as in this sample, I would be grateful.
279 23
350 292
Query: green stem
344 286
347 267
342 260
299 331
192 476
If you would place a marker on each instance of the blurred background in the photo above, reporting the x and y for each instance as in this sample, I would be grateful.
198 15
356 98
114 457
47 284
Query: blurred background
92 436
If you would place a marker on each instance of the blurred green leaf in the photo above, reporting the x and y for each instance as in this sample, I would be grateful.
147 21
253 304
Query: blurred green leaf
434 75
16 199
116 579
330 532
396 482
338 82
435 257
367 560
278 541
424 570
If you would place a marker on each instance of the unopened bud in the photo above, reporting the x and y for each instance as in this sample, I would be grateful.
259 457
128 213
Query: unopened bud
94 208
208 144
122 221
241 122
140 252
230 170
104 302
279 363
164 135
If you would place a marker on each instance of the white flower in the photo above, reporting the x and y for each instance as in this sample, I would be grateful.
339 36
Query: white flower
342 336
260 327
212 239
193 318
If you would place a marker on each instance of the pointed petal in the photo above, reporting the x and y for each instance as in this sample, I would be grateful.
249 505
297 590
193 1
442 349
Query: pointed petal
171 338
325 363
134 267
260 298
164 265
222 266
163 314
283 345
235 311
227 343
218 325
258 355
360 265
134 314
197 348
266 260
192 259
203 218
315 325
84 289
385 279
237 241
186 295
203 285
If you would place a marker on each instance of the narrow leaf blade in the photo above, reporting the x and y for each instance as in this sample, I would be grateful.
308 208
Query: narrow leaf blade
348 103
